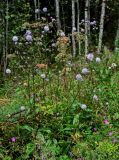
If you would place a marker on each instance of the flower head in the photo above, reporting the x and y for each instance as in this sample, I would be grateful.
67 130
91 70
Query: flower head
106 121
37 10
93 23
83 106
29 38
62 34
22 108
110 134
98 59
28 32
94 129
15 38
79 77
46 28
53 44
90 56
85 71
43 75
82 30
45 9
95 98
113 65
8 71
13 139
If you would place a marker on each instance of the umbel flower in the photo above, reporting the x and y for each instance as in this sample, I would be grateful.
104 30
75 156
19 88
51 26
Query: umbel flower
43 75
98 59
85 71
45 9
8 71
15 39
62 34
28 35
37 10
46 28
79 77
22 108
90 56
83 106
95 97
28 32
29 38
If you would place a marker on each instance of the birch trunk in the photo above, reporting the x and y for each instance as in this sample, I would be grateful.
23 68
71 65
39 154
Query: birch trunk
6 37
86 26
73 26
35 9
89 18
101 26
39 10
58 14
78 29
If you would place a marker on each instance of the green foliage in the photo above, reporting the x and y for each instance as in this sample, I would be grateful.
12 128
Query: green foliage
41 113
107 150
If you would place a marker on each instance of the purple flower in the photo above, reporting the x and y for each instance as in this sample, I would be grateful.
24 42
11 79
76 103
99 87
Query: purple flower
45 9
93 23
28 32
79 77
85 71
94 129
90 56
29 38
110 134
106 121
13 139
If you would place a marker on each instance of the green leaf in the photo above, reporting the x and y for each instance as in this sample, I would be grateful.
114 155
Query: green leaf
29 128
30 148
76 120
7 158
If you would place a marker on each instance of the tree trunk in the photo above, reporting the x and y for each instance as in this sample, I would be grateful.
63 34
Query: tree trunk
86 26
39 10
6 37
78 29
35 9
58 14
73 27
101 26
89 18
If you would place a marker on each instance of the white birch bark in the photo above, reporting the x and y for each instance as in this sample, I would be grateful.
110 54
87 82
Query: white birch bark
35 5
89 18
58 14
6 37
39 10
73 27
78 29
86 26
101 26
